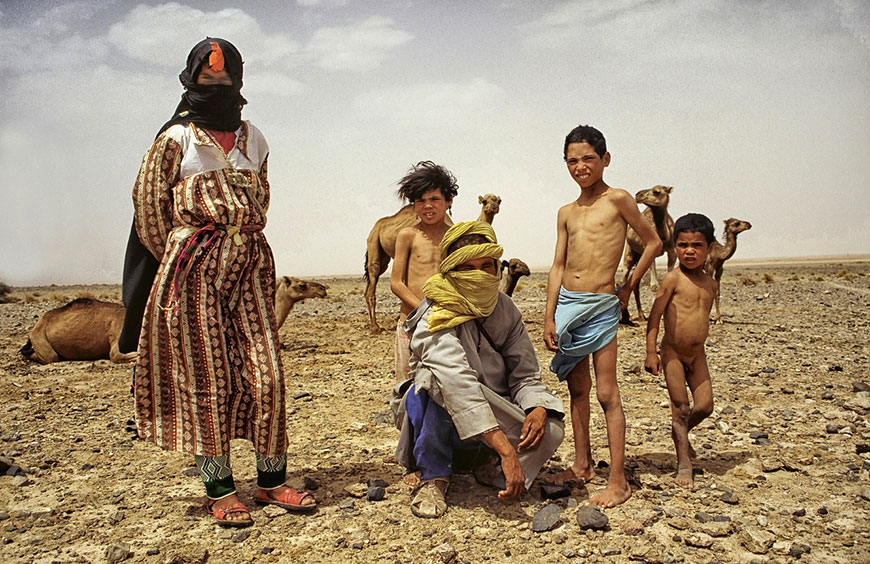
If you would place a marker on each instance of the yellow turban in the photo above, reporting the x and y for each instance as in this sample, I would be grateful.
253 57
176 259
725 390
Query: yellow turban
466 295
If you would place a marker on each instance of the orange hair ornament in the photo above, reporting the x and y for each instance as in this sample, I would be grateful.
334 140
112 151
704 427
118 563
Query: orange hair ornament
216 59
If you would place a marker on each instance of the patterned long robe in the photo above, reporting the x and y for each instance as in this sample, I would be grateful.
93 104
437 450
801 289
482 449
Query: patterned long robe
209 369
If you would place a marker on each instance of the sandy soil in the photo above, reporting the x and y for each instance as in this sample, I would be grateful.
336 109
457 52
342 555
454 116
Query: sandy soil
783 469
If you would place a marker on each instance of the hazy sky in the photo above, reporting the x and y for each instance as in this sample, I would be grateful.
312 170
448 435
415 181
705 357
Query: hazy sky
749 109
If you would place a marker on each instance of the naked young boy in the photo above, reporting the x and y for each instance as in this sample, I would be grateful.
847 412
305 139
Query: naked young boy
582 312
685 298
431 188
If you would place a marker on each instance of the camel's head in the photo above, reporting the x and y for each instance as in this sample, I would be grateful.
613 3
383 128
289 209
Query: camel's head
298 289
517 268
736 225
490 203
655 197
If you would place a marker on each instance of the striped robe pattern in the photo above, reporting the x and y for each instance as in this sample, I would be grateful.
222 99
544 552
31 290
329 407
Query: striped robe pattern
209 368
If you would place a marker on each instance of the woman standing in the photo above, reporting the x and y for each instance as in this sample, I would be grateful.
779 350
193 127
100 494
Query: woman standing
209 369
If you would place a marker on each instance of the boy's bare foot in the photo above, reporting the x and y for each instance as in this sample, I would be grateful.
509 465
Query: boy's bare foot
411 479
692 454
684 478
612 495
570 475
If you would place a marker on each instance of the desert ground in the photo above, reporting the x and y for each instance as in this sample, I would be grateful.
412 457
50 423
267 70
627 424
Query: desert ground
782 473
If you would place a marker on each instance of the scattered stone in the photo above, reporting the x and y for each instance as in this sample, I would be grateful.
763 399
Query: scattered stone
799 512
632 527
116 517
358 545
729 498
728 410
10 437
703 517
769 464
20 481
86 466
757 541
4 516
798 549
191 472
357 490
831 429
273 511
865 495
762 520
225 534
445 552
302 395
699 540
822 510
267 550
768 370
153 551
117 552
242 536
377 482
555 491
376 493
835 368
827 395
569 553
546 518
589 517
860 387
717 528
347 505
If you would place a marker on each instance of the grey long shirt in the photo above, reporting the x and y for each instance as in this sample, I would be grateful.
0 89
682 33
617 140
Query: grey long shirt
453 364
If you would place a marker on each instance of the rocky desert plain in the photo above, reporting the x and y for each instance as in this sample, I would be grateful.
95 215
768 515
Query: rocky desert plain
782 473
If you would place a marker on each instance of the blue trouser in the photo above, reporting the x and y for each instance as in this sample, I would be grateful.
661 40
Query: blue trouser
435 437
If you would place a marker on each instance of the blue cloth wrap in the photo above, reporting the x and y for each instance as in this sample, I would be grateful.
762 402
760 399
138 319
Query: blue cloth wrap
585 322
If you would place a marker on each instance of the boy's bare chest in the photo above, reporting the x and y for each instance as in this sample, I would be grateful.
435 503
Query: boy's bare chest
600 218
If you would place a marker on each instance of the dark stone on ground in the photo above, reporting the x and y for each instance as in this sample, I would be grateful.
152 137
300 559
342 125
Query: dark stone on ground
703 517
241 536
831 429
301 395
860 387
798 549
310 484
589 517
555 491
546 518
730 498
191 472
373 482
376 493
800 512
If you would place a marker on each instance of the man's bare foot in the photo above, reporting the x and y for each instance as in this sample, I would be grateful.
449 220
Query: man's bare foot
570 475
684 477
612 495
692 454
411 479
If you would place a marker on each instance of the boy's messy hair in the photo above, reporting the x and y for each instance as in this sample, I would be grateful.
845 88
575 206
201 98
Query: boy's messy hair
694 223
426 176
586 134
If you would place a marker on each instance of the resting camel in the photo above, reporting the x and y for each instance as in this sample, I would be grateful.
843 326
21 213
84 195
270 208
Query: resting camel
515 270
719 253
656 213
381 246
290 290
84 329
489 207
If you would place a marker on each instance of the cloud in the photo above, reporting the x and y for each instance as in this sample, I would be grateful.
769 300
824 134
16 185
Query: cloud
426 105
855 17
360 47
150 34
321 3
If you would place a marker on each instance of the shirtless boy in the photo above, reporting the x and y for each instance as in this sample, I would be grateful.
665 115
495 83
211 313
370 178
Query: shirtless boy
685 298
431 188
582 312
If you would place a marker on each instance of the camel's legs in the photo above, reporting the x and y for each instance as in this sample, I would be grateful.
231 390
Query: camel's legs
376 263
43 352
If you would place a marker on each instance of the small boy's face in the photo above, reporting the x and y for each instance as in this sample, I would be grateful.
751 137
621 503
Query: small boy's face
584 164
431 207
692 249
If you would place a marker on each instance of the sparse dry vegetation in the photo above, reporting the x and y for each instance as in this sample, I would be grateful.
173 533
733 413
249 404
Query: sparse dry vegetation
5 291
747 281
767 278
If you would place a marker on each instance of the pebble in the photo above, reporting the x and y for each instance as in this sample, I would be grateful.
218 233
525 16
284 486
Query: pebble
20 481
799 512
610 551
831 429
703 517
860 387
798 549
376 493
225 534
761 520
117 552
699 540
569 553
828 395
241 536
632 527
589 517
191 472
546 518
310 484
445 552
301 395
756 541
347 505
153 551
716 529
273 511
730 498
267 550
555 491
357 490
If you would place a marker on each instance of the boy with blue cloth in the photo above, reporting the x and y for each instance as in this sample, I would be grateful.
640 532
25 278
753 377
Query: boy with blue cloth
583 309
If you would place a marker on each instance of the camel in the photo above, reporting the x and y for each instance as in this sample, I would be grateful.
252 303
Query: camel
515 269
84 329
719 253
656 213
381 246
290 290
489 207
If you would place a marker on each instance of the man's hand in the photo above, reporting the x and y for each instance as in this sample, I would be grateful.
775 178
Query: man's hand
533 429
515 480
653 364
550 338
623 295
